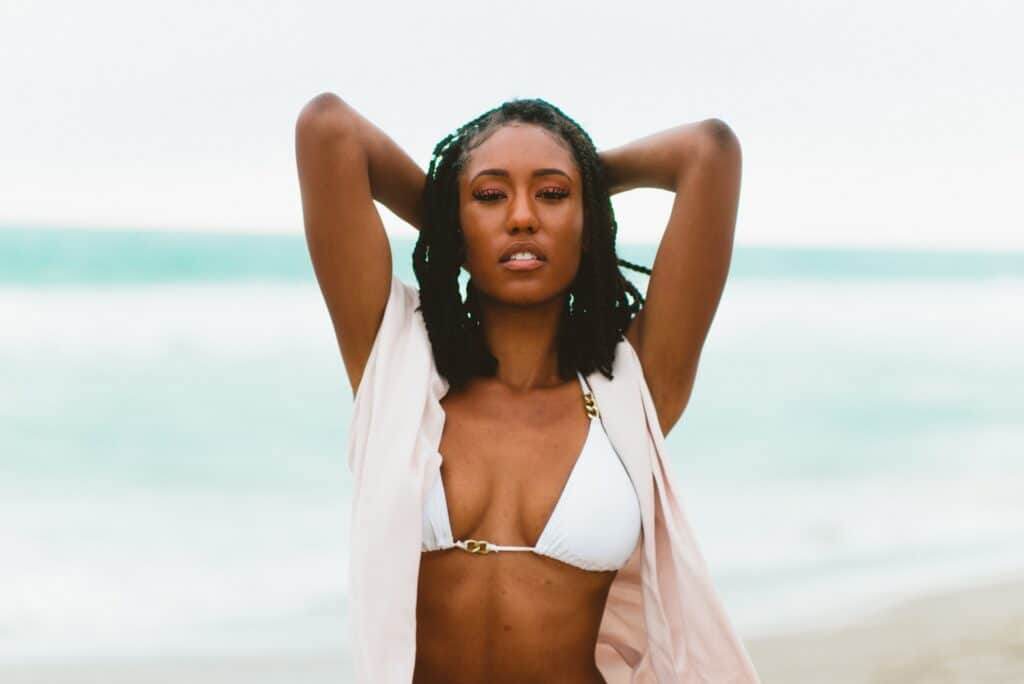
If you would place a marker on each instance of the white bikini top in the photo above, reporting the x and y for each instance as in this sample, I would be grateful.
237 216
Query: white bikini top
595 524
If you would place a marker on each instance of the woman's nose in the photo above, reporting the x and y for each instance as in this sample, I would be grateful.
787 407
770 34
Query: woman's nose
521 215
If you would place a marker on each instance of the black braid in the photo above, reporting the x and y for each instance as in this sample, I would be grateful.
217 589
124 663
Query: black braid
600 302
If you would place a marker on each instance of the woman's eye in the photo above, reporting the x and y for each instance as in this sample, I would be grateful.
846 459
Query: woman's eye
492 195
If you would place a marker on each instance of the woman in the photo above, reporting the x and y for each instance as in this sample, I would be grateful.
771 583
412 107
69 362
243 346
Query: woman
519 199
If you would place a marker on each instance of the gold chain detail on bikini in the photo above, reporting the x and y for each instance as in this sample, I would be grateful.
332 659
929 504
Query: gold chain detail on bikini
590 405
477 546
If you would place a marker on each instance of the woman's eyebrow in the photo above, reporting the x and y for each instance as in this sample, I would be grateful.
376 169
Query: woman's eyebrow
538 172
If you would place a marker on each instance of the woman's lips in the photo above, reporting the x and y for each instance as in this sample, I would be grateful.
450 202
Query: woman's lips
522 264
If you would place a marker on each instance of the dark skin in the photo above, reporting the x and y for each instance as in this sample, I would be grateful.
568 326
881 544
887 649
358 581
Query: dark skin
514 616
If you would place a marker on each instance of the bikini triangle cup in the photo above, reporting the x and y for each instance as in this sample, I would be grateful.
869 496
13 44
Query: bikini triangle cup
595 524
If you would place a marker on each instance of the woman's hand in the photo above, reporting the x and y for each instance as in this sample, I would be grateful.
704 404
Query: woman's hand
612 171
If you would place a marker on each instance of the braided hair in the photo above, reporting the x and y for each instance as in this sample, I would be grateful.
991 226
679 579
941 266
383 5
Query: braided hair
597 305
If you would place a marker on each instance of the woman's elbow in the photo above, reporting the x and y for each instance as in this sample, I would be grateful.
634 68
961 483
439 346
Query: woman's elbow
325 115
719 133
718 140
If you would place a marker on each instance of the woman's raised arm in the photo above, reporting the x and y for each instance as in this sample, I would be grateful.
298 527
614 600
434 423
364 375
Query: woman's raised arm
701 163
344 164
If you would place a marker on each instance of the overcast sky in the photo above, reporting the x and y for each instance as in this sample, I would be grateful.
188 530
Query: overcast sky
862 123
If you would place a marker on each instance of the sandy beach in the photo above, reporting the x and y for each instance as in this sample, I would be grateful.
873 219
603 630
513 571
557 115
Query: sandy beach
972 636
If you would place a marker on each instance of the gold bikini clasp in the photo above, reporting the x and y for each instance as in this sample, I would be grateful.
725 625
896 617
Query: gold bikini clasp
590 405
477 546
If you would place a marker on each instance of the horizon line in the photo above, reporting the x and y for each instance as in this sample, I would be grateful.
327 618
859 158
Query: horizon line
299 234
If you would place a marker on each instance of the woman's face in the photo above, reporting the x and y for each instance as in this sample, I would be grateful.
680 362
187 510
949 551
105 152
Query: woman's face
521 185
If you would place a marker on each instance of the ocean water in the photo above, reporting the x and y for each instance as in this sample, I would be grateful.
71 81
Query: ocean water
173 435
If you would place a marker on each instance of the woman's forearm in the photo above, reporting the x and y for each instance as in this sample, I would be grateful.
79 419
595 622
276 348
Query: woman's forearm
661 160
396 181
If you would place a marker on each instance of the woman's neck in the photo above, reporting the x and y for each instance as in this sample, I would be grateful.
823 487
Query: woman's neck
524 340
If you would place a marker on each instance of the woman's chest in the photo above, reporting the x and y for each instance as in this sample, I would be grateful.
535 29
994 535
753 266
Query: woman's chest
505 462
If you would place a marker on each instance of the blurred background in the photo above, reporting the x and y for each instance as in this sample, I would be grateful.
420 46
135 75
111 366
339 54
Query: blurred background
174 493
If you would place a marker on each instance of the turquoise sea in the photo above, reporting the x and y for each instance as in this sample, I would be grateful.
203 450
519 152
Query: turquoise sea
173 435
